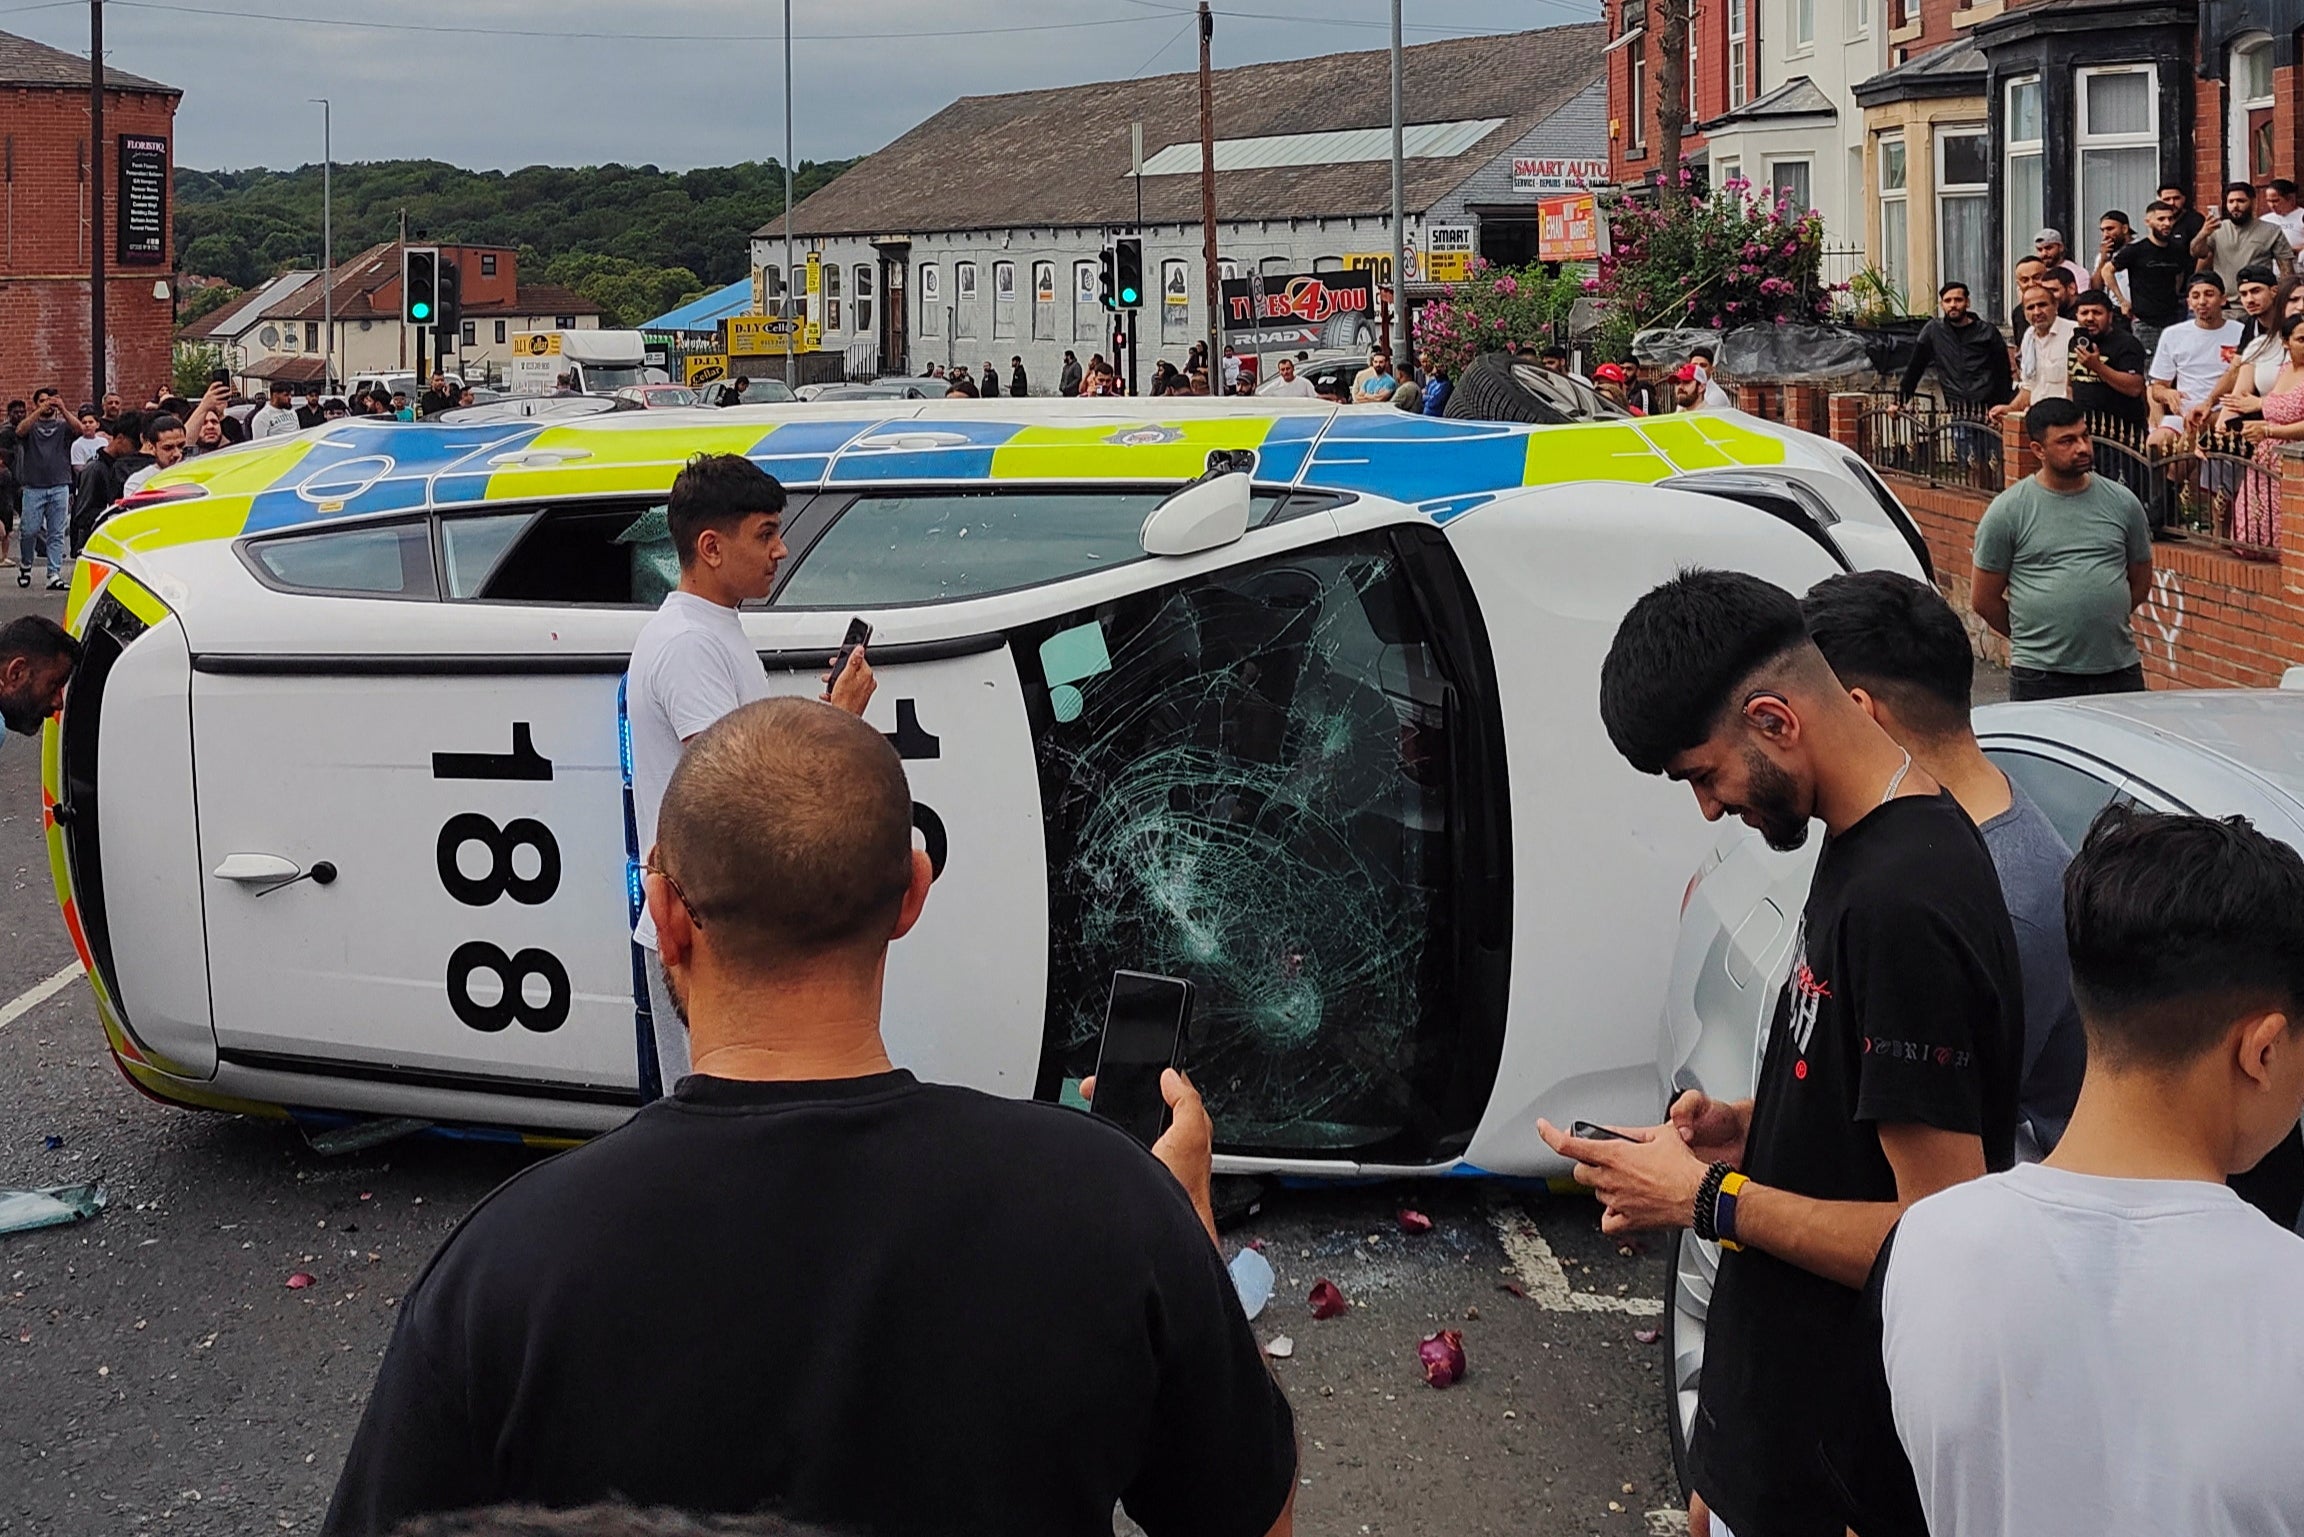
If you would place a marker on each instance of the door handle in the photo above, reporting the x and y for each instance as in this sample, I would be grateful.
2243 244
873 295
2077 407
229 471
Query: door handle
272 872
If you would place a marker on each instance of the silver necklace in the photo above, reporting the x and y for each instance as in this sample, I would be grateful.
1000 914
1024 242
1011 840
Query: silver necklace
1897 783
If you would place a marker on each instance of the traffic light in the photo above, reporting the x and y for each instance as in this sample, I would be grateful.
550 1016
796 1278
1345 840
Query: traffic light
451 307
420 285
1107 284
1128 273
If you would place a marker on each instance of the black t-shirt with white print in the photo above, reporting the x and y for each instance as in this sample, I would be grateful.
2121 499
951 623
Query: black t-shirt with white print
1905 1005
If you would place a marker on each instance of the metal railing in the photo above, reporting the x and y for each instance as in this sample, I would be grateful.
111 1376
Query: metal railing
2209 487
1948 442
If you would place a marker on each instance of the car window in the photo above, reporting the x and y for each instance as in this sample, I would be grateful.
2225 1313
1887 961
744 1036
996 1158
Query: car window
2069 796
584 552
1257 779
470 547
392 560
935 546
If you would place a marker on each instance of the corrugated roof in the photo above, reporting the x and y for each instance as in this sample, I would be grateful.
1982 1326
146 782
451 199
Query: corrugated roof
707 312
1338 146
1062 156
25 62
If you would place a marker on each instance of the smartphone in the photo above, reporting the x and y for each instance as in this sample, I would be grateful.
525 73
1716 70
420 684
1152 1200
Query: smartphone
219 376
859 634
1144 1024
1591 1133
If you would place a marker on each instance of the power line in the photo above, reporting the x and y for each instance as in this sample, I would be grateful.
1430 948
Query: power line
611 37
1582 12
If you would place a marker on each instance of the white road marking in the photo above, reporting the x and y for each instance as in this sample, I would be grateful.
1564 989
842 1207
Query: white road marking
32 997
1547 1283
1666 1523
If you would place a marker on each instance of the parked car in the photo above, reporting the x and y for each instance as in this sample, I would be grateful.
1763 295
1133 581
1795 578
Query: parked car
759 392
1279 696
2218 752
880 389
658 397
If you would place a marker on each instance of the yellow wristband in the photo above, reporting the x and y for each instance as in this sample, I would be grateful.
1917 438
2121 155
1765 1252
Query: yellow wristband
1724 1209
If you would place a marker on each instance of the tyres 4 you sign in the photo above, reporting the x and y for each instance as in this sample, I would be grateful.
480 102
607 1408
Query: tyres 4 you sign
1300 311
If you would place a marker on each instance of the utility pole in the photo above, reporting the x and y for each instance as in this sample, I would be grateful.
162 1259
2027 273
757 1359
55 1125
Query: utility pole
1215 285
96 201
1136 153
402 255
1396 330
327 243
791 316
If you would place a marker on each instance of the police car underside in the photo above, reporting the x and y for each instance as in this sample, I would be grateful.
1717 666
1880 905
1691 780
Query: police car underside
339 818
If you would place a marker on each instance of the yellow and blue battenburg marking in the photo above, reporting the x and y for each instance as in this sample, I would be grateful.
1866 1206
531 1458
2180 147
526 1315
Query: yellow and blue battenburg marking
1447 468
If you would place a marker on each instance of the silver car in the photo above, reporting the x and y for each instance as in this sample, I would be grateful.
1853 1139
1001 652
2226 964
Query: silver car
2217 752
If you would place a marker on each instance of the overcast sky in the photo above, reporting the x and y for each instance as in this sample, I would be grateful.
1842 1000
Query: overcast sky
705 85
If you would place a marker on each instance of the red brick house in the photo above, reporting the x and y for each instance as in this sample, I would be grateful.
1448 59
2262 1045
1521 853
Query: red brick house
1723 74
44 224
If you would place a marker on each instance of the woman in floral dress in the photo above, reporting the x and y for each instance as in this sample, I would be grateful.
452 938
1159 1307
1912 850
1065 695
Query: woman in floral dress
2256 516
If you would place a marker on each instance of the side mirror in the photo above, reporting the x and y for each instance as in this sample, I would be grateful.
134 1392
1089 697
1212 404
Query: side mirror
1206 515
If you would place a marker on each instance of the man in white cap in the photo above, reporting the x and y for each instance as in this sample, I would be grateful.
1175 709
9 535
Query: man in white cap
2048 245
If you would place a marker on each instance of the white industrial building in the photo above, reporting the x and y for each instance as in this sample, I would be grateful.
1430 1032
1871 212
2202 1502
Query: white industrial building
974 238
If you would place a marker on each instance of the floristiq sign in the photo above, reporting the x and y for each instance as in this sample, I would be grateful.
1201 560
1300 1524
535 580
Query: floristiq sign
1300 311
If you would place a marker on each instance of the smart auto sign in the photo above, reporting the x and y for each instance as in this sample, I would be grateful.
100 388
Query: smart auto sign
1532 174
1298 311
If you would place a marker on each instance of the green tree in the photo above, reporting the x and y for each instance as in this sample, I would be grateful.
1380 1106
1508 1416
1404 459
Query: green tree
191 366
628 292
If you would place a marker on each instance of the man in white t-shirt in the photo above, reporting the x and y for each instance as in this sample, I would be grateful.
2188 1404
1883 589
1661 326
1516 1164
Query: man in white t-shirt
2192 358
693 664
2044 357
2281 207
2112 1341
1289 383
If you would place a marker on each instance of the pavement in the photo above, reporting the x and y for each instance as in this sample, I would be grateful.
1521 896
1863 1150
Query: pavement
159 1372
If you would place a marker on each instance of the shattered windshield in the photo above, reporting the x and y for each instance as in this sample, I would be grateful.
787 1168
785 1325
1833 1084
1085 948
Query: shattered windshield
1246 780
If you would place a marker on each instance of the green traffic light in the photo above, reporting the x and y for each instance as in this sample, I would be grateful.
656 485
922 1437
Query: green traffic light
420 310
1127 296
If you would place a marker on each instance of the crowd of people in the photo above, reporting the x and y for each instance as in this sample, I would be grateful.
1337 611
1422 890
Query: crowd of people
2146 342
1995 1249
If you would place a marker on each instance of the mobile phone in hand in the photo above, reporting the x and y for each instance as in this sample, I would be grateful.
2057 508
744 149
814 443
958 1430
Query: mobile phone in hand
1144 1023
859 634
1591 1133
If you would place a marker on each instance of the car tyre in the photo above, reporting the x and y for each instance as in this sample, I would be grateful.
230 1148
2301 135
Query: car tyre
1347 333
1691 1268
1488 392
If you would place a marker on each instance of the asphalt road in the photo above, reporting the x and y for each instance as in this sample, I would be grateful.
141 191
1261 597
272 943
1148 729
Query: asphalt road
158 1374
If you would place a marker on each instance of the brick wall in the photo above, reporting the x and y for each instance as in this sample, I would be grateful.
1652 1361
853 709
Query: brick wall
2208 145
44 256
2213 621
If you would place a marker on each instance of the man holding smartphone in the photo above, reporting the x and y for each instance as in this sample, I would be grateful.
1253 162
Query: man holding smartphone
693 664
1891 1065
809 1282
44 468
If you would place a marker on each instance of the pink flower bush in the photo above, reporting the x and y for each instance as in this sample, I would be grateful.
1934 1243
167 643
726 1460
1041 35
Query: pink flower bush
1492 306
1736 257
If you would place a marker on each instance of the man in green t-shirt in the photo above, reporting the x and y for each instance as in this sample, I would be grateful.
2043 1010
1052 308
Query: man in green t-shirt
2061 559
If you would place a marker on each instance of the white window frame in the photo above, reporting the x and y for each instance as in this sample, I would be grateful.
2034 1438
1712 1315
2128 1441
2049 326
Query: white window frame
1859 18
2014 149
2083 140
1636 92
1739 58
828 279
2236 167
1896 266
931 286
1946 188
1808 161
1800 27
860 295
1730 170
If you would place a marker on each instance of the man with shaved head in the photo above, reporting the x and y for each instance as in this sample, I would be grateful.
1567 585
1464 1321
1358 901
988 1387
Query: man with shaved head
807 1282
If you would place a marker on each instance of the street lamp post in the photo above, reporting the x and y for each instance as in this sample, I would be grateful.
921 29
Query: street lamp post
327 244
1396 336
791 319
96 200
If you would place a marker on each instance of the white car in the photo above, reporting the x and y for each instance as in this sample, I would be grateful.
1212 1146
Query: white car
2220 752
1297 702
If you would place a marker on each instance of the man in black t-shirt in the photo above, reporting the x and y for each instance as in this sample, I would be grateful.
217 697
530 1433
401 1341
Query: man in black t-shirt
1891 1065
2159 267
807 1281
2109 369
